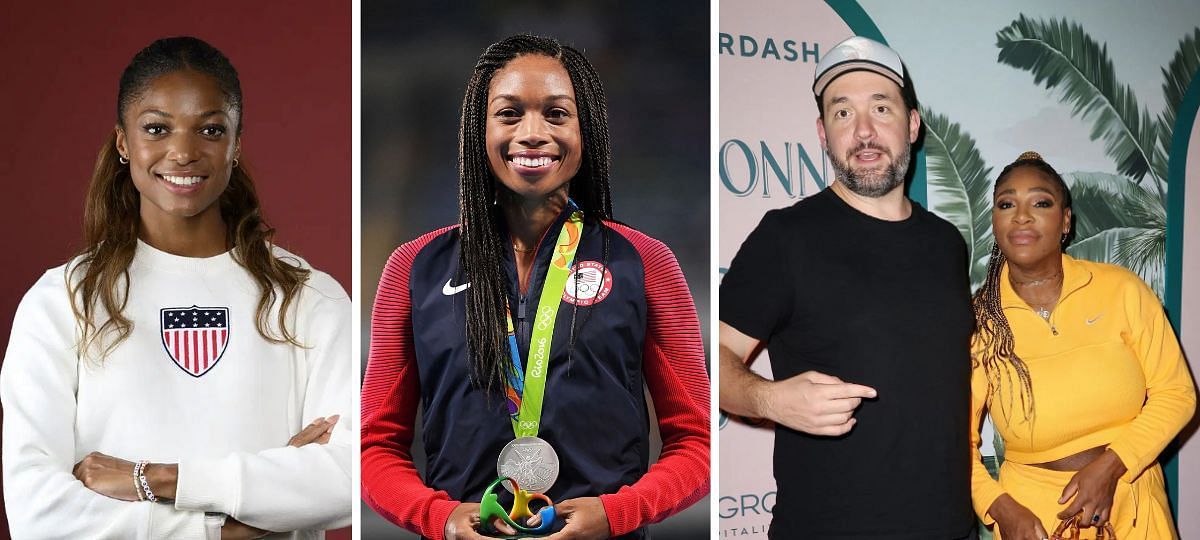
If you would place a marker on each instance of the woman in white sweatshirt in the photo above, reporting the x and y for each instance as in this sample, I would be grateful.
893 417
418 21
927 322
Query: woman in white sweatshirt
182 377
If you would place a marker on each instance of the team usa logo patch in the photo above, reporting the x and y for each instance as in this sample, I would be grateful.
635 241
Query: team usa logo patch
589 283
195 337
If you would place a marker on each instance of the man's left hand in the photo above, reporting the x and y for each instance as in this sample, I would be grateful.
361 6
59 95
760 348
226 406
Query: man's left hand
585 518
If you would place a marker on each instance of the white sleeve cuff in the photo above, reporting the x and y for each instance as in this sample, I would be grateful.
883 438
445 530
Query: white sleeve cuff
166 522
208 485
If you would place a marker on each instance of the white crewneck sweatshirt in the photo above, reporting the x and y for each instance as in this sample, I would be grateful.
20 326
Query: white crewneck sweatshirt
219 400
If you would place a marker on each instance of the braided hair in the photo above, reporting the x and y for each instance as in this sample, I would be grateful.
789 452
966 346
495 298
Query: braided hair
993 335
482 243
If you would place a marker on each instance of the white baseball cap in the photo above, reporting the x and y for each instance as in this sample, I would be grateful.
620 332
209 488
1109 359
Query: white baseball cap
854 54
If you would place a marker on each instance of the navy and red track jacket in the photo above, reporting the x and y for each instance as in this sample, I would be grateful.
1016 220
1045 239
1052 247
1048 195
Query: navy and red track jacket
642 329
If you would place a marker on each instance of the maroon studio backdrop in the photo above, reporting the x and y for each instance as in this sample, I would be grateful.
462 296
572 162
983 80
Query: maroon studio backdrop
60 63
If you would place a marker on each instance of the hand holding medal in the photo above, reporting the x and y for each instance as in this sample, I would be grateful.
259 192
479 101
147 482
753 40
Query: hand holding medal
490 509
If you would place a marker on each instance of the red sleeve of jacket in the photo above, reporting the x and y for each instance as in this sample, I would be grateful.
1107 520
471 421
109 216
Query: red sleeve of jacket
390 394
673 363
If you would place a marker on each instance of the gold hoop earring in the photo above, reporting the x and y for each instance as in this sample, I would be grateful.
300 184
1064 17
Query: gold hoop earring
235 163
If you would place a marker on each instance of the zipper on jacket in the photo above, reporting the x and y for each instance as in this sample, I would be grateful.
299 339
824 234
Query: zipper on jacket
521 291
1050 321
524 328
1061 299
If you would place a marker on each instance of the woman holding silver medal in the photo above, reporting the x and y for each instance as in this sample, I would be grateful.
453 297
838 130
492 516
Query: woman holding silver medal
530 326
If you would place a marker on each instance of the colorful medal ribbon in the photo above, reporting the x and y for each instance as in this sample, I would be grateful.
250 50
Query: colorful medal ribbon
525 393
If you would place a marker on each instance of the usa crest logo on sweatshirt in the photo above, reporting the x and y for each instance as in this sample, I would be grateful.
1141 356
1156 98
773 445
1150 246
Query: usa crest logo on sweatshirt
195 337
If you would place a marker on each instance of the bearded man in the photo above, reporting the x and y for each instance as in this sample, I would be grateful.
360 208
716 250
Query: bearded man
862 299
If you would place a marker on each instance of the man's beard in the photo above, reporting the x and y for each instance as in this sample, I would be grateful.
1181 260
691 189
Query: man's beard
872 183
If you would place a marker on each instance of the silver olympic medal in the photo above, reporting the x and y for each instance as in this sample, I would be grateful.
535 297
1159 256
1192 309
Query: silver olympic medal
530 461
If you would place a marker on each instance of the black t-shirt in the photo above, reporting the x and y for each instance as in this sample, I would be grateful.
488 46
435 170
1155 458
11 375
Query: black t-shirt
874 302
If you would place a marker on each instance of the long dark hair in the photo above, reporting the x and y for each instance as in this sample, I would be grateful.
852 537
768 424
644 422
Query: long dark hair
994 336
112 212
483 245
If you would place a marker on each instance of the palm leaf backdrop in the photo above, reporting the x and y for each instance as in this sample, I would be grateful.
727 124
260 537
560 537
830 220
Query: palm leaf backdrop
1063 57
1120 222
959 187
1176 78
1103 200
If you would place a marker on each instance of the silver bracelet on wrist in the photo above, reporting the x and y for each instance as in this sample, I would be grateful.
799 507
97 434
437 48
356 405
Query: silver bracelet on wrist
137 486
141 476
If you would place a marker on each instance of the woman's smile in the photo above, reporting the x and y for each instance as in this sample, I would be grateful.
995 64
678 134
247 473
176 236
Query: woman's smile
182 182
531 163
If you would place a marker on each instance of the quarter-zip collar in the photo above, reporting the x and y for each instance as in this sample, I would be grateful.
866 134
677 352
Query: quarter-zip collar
1075 277
524 302
541 255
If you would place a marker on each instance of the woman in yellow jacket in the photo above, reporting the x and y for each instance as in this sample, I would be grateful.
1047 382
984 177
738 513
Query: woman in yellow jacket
1082 374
